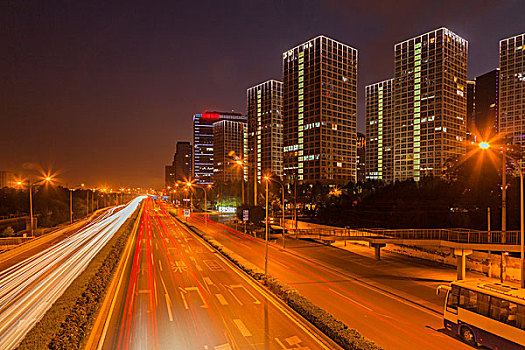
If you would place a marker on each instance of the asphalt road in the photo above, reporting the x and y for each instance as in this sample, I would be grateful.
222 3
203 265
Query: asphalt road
30 287
391 302
179 293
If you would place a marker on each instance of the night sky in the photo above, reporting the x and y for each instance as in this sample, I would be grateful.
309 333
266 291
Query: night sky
102 90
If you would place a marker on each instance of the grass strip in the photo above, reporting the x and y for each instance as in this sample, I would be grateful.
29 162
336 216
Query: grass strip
338 331
67 323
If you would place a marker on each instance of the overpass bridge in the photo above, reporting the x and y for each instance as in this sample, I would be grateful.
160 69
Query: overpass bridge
461 241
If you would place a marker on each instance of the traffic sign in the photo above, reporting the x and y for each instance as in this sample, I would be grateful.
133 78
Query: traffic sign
245 215
186 213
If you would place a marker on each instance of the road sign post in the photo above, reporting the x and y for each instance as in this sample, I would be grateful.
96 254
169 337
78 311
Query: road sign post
186 214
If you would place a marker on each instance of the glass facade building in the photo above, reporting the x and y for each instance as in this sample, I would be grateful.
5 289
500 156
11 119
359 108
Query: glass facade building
320 111
430 83
203 143
512 89
379 130
229 140
265 129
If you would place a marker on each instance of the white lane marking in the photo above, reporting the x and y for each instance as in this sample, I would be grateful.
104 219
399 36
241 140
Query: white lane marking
199 268
160 265
208 281
226 346
168 305
232 287
281 344
242 327
187 290
222 299
352 300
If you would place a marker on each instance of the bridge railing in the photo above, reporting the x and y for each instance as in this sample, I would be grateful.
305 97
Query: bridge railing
451 235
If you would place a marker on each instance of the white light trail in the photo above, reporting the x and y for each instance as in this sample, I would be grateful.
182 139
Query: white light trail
29 288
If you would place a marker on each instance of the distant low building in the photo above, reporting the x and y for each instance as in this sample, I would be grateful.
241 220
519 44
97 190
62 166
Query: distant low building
7 179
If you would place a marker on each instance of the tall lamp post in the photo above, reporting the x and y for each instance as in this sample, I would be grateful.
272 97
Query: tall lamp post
485 145
266 229
30 189
282 208
240 163
190 185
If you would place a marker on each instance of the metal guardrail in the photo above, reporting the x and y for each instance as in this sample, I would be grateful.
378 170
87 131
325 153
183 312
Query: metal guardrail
10 241
451 235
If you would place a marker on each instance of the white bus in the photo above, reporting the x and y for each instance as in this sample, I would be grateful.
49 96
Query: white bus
486 313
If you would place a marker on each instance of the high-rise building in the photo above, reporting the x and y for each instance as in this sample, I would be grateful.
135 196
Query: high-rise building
182 161
430 83
361 156
471 108
486 105
512 89
169 176
180 168
320 111
379 130
265 129
203 142
229 145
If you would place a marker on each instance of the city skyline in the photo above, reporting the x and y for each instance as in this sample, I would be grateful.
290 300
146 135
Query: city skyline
84 93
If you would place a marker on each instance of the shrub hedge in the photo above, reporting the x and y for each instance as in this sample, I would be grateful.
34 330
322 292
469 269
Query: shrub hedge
338 331
66 325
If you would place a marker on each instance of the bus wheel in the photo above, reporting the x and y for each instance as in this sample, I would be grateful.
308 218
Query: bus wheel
468 336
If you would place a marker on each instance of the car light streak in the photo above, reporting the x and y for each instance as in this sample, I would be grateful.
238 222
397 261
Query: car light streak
29 288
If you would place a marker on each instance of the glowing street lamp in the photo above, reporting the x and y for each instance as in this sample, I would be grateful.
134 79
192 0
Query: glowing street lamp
485 145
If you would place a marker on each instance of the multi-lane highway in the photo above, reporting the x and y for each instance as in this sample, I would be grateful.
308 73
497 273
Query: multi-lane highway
179 293
29 288
391 302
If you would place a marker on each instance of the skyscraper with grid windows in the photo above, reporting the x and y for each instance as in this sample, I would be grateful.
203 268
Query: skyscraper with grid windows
320 111
512 89
379 131
430 82
265 129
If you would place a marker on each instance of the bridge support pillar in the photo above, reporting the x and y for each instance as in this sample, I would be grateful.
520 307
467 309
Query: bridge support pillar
378 247
461 259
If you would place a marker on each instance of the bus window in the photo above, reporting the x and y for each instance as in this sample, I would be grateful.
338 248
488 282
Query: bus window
520 317
512 313
468 299
496 311
483 304
452 301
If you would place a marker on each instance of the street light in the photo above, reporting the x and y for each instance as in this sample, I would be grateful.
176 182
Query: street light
205 200
266 230
30 188
485 145
282 207
240 163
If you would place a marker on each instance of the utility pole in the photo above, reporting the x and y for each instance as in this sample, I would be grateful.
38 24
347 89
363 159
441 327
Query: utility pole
29 185
503 208
71 206
266 231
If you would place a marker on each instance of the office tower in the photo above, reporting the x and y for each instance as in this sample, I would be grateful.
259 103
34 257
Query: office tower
169 176
486 105
182 161
512 89
229 138
430 82
203 142
361 156
320 111
471 107
379 130
265 129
